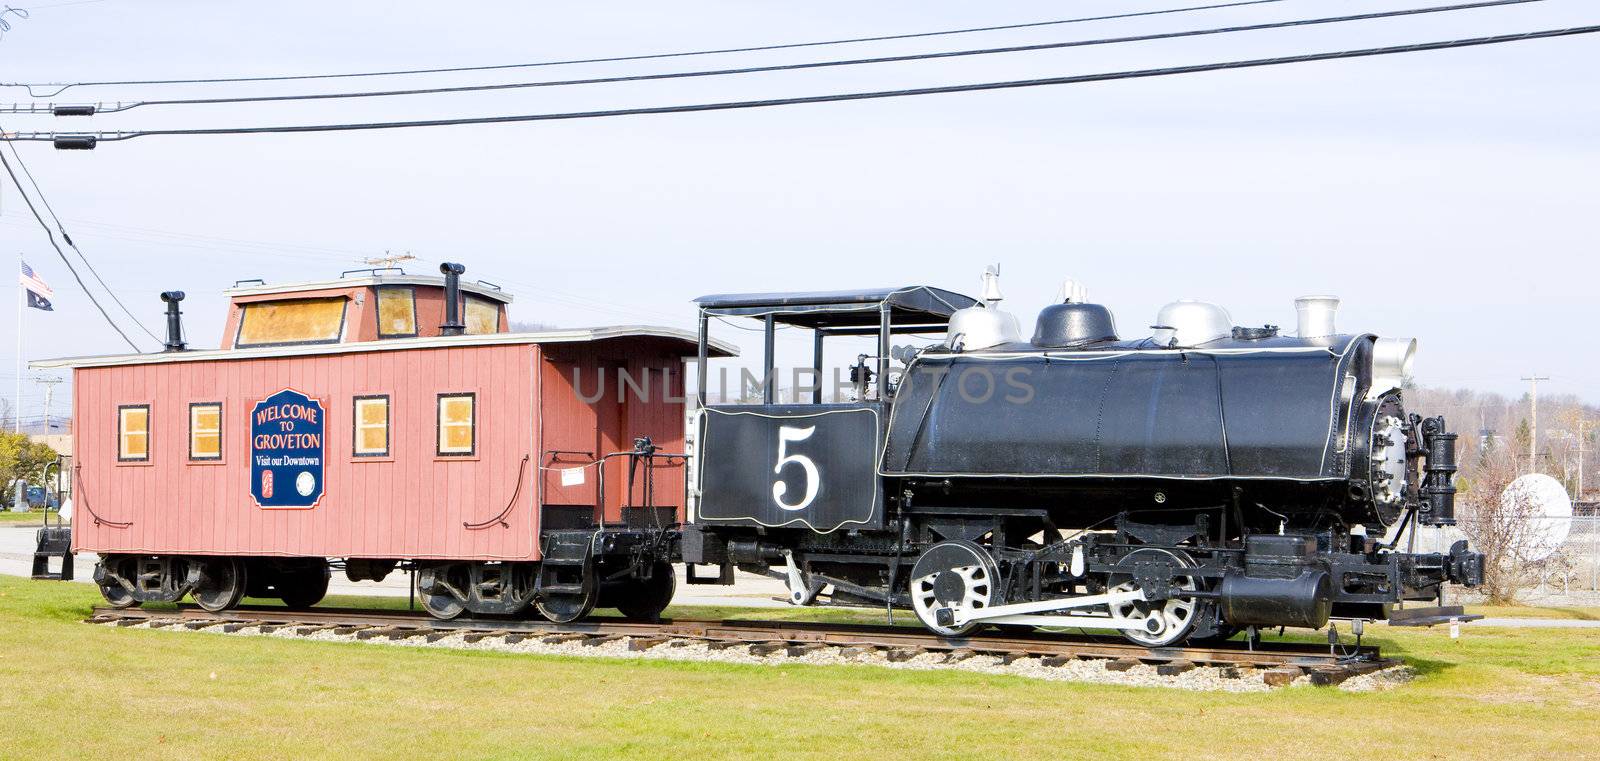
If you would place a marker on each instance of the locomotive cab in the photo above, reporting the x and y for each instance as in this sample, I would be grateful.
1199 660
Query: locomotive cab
773 473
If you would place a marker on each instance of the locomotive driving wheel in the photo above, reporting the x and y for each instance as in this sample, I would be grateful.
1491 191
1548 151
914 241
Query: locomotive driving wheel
1155 623
221 585
953 575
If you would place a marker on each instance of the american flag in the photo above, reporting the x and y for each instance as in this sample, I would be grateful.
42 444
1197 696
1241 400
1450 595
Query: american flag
38 293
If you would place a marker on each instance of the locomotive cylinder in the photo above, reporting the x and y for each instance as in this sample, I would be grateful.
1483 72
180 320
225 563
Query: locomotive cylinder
1305 600
1280 586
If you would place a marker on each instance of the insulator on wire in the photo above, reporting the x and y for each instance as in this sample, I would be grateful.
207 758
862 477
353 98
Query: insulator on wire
72 110
75 142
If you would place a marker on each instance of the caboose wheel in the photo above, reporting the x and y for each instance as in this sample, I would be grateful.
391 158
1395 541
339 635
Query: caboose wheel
956 574
304 587
644 599
222 584
439 603
566 607
1162 622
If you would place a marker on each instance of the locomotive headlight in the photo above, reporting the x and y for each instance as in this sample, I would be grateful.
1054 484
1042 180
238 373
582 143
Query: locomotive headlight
1392 360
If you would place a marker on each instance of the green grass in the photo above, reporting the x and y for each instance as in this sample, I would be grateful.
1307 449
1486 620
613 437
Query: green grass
73 691
1536 611
8 518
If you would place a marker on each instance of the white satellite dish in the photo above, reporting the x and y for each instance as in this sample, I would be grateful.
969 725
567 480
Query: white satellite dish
1548 510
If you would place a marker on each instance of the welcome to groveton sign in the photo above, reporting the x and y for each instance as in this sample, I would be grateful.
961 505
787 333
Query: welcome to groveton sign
286 437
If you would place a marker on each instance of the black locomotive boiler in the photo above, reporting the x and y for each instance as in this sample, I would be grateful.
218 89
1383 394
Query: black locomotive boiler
1183 486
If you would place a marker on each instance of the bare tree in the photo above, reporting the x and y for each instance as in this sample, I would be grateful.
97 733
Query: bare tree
1504 525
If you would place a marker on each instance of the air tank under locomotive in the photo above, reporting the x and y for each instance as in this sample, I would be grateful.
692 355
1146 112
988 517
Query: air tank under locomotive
1186 485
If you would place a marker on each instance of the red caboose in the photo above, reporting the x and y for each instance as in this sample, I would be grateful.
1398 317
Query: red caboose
383 421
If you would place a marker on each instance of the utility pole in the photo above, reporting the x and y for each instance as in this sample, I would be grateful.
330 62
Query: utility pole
1581 424
1533 438
49 382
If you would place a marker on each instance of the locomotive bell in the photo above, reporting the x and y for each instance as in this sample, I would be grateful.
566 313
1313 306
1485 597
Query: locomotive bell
1188 322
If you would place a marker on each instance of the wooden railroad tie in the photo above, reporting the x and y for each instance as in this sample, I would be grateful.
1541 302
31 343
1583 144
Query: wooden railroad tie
1174 668
1056 660
314 628
1230 672
436 635
347 630
804 648
726 644
1006 659
563 637
641 644
1122 664
766 648
237 625
381 631
903 654
602 639
1282 676
475 637
856 651
162 623
130 621
959 654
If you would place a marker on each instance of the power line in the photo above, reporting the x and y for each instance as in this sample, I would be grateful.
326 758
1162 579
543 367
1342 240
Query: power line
64 260
83 140
643 57
102 108
68 238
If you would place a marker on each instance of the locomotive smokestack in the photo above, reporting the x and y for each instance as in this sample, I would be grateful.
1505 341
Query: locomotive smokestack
1316 314
174 321
452 300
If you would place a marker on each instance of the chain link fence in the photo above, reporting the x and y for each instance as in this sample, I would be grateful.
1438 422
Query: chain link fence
1561 555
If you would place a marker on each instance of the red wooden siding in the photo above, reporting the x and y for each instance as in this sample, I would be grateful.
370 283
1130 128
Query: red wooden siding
411 504
590 430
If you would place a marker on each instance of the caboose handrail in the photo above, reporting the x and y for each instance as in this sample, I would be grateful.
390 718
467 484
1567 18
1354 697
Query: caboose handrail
83 493
522 470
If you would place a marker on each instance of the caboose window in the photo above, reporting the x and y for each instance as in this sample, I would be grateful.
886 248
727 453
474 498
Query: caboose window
292 321
205 431
133 433
483 316
456 421
397 312
372 426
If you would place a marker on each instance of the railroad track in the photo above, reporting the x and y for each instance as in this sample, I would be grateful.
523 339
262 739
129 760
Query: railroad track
1277 663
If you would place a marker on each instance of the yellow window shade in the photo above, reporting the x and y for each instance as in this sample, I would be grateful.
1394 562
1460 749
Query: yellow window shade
292 321
483 316
397 312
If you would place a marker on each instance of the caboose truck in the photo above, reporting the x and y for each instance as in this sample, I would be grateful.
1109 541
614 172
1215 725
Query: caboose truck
1182 487
383 421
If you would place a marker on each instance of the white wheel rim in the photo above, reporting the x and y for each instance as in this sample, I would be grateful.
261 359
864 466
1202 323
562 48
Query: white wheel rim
976 588
1172 617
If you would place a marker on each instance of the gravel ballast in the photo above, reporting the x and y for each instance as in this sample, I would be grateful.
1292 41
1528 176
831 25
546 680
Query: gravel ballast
1201 678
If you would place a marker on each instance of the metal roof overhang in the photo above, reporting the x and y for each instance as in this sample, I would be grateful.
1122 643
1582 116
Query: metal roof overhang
912 309
683 339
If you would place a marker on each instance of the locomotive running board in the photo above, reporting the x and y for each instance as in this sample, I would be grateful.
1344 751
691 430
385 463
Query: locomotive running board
1026 612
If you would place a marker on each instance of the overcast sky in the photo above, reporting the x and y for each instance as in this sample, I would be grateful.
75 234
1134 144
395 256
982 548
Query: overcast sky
1449 196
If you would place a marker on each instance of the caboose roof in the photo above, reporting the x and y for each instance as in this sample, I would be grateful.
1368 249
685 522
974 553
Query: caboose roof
835 310
479 288
685 339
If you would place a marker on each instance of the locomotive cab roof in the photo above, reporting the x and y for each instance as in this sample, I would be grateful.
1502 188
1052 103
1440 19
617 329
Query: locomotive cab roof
912 309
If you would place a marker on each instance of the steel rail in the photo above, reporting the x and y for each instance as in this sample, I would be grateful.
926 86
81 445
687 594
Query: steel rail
1326 665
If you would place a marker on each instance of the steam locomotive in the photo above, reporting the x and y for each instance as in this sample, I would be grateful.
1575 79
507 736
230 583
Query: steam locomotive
1179 487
